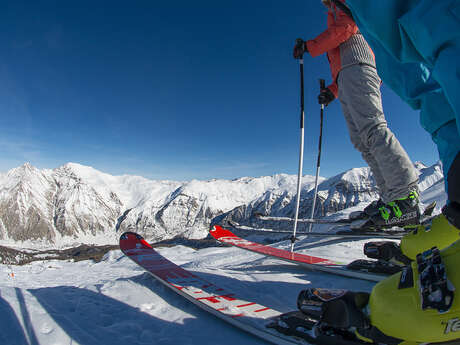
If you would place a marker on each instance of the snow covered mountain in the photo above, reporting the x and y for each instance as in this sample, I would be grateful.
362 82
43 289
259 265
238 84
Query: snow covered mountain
76 204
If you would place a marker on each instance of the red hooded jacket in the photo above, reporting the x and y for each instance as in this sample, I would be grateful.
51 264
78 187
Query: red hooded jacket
340 27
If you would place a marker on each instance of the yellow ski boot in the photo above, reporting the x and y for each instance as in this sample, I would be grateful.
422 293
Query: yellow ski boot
420 304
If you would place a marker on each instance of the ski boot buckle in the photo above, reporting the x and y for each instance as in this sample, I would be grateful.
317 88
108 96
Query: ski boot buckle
436 291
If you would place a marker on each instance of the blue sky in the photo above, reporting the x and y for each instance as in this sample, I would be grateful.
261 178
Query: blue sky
173 89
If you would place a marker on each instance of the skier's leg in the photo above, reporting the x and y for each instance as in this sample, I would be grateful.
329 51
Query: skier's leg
359 87
355 138
358 144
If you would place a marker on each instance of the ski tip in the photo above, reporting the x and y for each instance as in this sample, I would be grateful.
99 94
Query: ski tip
219 233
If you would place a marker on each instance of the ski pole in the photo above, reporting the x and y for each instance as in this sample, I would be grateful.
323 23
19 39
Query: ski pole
322 85
299 175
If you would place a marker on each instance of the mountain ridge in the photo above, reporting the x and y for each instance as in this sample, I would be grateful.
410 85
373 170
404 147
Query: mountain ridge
77 204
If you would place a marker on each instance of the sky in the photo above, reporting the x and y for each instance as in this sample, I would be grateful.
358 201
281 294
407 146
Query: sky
174 90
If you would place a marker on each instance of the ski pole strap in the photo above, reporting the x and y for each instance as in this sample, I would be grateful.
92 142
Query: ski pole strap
436 291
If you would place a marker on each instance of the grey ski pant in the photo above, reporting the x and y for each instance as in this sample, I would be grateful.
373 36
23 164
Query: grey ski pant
359 95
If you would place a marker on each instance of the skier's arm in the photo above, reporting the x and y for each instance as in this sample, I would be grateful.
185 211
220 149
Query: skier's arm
338 32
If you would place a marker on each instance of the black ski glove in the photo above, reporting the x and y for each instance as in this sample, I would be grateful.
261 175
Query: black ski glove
300 48
326 96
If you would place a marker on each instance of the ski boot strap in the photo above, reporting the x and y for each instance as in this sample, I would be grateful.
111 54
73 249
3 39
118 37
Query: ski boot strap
436 291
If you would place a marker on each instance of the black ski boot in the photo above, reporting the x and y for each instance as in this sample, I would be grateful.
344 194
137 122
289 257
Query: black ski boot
402 212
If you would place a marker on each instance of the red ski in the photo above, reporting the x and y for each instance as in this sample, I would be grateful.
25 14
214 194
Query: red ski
311 262
246 315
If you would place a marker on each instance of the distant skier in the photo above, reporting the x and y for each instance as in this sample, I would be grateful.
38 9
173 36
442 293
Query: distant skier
357 86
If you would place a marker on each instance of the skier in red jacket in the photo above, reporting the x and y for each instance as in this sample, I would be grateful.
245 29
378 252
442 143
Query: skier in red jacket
357 86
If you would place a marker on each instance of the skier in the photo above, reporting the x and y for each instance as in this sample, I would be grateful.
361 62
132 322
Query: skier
417 47
354 74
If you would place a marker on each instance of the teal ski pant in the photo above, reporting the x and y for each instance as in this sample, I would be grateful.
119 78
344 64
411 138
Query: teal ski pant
417 48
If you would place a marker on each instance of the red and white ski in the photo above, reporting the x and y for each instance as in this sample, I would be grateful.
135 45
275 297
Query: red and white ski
246 315
308 261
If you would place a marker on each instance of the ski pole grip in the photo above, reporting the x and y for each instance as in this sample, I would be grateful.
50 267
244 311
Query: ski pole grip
322 84
299 43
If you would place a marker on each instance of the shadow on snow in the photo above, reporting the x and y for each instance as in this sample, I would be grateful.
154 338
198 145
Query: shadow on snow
11 331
